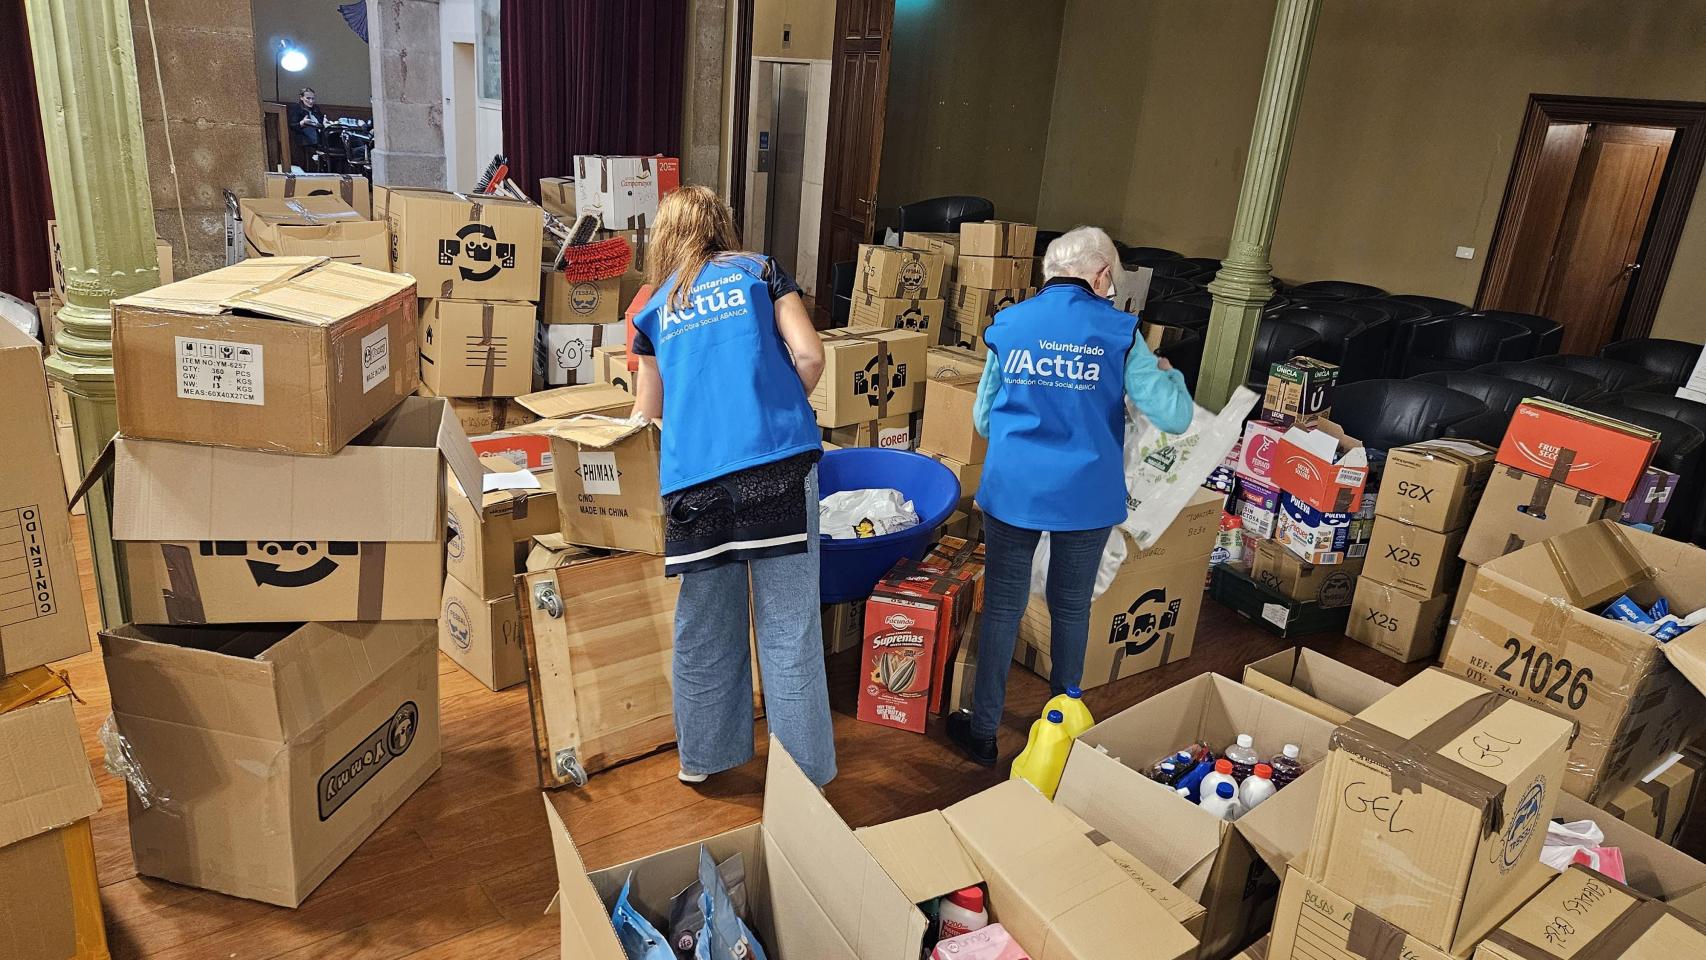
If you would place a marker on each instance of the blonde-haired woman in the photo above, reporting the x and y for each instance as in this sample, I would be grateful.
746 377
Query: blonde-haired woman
728 356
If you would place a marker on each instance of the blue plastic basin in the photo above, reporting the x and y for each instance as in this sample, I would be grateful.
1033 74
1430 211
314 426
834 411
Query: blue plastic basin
849 569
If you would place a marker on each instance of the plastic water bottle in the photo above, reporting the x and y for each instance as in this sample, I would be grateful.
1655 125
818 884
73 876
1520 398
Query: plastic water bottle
1210 784
1258 786
1075 715
1286 766
1223 803
1243 757
1044 755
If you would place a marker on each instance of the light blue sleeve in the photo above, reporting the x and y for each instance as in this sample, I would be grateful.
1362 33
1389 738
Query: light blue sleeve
986 390
1160 395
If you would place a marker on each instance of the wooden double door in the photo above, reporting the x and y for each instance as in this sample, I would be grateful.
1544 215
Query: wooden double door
858 101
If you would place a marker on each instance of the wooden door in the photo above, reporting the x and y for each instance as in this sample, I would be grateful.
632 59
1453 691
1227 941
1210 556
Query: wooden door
1516 274
858 98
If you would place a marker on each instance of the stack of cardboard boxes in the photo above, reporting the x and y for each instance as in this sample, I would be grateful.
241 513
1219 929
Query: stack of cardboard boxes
916 631
900 288
872 385
993 269
948 437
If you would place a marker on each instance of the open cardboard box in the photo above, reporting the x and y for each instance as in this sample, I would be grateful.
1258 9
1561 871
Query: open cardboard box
1315 683
1230 868
817 890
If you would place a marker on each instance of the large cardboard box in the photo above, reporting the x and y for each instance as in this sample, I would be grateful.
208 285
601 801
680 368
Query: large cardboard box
1585 914
488 543
992 273
1439 795
899 272
1588 451
948 429
1148 615
1230 868
464 247
1315 683
557 196
589 301
1329 585
314 227
945 244
41 604
1531 629
998 238
1268 608
482 636
607 483
353 190
624 192
947 363
569 349
1520 508
1435 485
1315 922
213 535
889 433
895 313
1659 803
477 348
970 476
286 354
869 373
975 307
1415 558
275 750
50 897
1404 625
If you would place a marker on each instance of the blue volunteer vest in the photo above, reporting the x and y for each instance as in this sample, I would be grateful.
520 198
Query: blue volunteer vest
731 397
1057 428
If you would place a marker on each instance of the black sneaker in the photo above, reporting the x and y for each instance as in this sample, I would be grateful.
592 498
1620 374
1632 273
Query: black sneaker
982 750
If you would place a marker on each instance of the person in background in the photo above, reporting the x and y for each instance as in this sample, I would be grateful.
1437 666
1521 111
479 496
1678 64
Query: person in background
728 357
306 122
1052 403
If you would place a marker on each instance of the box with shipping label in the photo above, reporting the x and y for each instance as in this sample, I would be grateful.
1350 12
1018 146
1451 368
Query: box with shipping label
869 372
1415 558
557 196
1231 869
41 601
279 747
1315 683
1313 922
1435 485
477 348
1148 616
992 273
351 189
1257 505
1520 508
948 428
488 544
1322 467
946 245
948 363
1268 608
1652 496
314 227
569 351
624 192
1299 391
214 535
588 301
1438 798
483 636
285 354
1399 623
1659 803
898 272
1258 453
1583 914
1329 585
607 483
894 313
1532 629
1318 537
466 247
888 433
1588 451
998 238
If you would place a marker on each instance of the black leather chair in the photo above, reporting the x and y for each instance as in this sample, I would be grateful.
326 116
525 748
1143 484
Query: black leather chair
1185 353
1357 348
1548 334
1200 297
1671 360
1129 254
1044 238
841 283
1277 340
1205 267
1407 310
1465 341
1173 269
1174 313
1166 288
1391 413
1692 413
1567 386
1500 395
944 214
1399 311
1333 290
1614 376
1435 306
1682 450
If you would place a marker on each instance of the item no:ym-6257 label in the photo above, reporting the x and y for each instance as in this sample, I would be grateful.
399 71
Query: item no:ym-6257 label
220 370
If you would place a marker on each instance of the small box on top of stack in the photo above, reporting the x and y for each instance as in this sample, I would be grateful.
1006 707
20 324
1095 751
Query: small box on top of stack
993 270
900 288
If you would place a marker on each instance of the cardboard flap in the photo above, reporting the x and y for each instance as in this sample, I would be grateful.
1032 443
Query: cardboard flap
1596 563
101 467
1687 653
322 293
585 924
322 666
596 432
44 775
1278 830
563 402
157 674
206 293
922 855
458 453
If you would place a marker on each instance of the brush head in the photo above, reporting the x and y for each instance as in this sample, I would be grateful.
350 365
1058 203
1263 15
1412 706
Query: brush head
597 261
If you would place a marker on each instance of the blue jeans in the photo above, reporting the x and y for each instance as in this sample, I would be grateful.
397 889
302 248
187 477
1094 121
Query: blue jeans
713 668
1074 557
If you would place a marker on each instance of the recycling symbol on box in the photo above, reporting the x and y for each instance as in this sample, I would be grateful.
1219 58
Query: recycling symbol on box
267 573
1142 623
476 253
869 382
912 318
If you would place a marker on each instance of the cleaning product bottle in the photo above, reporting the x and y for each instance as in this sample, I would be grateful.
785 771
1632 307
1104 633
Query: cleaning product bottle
1223 803
1167 773
1258 786
1243 757
962 912
1222 773
1072 708
1044 755
1191 782
1286 766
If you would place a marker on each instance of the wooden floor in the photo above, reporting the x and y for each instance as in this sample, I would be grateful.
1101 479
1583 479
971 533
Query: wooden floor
464 869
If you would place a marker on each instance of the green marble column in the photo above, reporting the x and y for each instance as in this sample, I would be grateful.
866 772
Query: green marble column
1244 282
85 67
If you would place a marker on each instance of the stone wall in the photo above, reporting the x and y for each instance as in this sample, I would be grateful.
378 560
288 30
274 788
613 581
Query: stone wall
408 93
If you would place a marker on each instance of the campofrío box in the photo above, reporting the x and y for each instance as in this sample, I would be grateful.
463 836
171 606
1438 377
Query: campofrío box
349 188
287 354
1585 914
314 227
624 192
482 636
1588 451
1435 485
898 272
607 483
466 247
1436 800
1399 623
1532 629
895 313
215 535
1329 586
488 543
477 348
869 373
1520 508
269 752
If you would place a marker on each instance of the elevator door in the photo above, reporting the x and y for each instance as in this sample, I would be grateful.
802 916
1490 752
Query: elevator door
787 162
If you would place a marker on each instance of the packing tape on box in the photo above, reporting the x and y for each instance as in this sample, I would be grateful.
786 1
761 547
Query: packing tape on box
1416 761
488 377
78 846
1659 794
1611 943
370 585
183 594
1373 938
1561 465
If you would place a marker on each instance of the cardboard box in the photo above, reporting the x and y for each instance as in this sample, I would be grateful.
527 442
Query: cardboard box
1228 868
1583 913
1652 495
1403 625
843 626
1322 467
1269 609
314 227
893 313
1148 616
1415 558
954 588
477 348
482 636
611 366
50 898
591 301
1312 922
1188 912
993 273
945 245
279 748
998 238
967 337
1258 452
1531 629
976 307
488 544
285 354
41 602
1299 391
889 433
569 348
948 426
353 190
1659 803
948 363
1328 586
1435 485
1585 450
607 484
624 192
1321 538
1465 587
566 403
1520 508
1439 796
970 475
480 416
463 247
869 372
1257 505
898 272
213 535
1315 683
557 196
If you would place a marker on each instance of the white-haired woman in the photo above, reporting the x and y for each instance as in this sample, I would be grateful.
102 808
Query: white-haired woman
1052 403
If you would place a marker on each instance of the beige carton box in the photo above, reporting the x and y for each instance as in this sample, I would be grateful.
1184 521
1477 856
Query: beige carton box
977 306
1329 585
1397 622
607 483
1315 683
1315 922
1435 485
947 363
557 196
589 301
1518 509
477 348
314 227
466 247
1531 629
1188 912
482 636
213 535
869 372
945 245
1586 914
1418 559
889 433
41 604
992 273
353 190
278 748
894 313
562 403
1437 799
285 354
483 415
1659 803
612 366
488 544
998 238
948 428
898 272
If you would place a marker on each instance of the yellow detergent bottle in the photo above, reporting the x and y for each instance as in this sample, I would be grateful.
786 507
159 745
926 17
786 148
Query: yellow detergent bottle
1071 706
1044 755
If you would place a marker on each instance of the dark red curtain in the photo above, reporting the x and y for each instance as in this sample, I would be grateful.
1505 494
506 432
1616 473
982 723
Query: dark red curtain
590 76
25 203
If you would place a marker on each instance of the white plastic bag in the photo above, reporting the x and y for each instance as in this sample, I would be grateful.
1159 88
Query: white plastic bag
853 514
1565 840
1113 557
